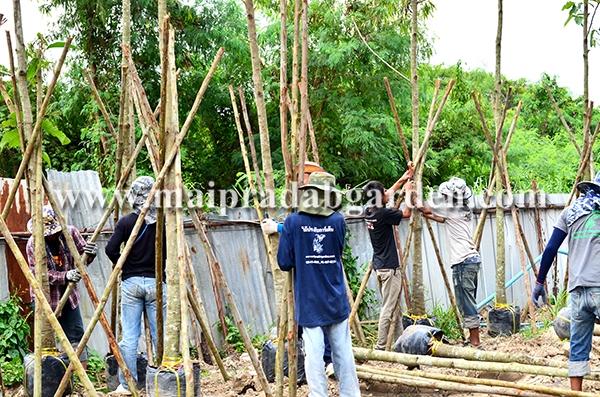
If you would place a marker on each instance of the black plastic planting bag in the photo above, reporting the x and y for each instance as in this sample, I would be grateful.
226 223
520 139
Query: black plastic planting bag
504 322
562 323
170 383
112 371
268 353
408 321
418 339
53 370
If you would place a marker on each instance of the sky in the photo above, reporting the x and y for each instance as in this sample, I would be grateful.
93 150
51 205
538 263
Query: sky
535 39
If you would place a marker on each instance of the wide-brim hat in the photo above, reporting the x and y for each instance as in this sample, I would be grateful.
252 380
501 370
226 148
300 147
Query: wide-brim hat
456 187
587 186
51 225
323 182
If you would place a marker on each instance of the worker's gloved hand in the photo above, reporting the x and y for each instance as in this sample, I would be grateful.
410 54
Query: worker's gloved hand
538 296
268 226
73 276
91 249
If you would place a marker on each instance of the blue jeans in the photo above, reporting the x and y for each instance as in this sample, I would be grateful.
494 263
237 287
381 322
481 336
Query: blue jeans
585 307
464 277
137 294
343 360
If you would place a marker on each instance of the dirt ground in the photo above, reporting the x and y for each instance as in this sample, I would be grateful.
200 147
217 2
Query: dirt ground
244 382
544 345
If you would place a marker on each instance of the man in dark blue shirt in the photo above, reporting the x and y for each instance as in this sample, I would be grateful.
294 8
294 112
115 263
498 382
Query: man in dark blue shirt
312 243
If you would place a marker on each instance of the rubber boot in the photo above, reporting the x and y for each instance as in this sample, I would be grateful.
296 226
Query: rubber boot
474 337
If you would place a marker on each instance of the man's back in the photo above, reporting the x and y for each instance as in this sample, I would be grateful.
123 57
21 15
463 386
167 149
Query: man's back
141 259
313 245
380 223
584 249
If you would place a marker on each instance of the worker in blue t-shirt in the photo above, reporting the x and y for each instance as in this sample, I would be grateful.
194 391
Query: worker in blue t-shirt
312 243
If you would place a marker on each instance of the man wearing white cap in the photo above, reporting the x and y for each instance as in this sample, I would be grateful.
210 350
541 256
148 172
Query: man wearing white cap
465 260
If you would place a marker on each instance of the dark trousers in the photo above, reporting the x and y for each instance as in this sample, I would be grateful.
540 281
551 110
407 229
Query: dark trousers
71 322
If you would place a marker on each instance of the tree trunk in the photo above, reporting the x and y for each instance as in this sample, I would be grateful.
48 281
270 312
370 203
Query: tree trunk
414 360
418 293
295 122
500 245
545 390
265 145
173 317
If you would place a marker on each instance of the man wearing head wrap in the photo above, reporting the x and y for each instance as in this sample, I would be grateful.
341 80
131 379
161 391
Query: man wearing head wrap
312 243
581 222
465 260
62 271
138 286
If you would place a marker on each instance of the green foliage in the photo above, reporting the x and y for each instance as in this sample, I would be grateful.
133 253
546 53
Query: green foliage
96 368
234 338
446 321
14 332
354 275
12 372
558 302
259 340
575 13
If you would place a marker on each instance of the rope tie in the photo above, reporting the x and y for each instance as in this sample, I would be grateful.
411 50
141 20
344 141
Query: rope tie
169 364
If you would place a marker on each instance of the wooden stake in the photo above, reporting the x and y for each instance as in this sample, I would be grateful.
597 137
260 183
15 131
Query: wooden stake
27 122
18 108
360 293
255 166
195 301
81 265
399 130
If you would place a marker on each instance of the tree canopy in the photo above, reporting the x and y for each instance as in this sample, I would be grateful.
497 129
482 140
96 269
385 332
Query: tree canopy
352 118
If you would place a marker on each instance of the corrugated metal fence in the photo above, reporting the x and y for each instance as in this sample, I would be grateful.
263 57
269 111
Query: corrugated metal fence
240 249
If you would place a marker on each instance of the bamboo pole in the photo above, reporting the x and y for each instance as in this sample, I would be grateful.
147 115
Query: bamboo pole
440 261
183 296
80 263
47 310
169 159
356 326
546 390
195 301
283 87
414 360
313 139
159 244
419 383
295 79
105 114
303 85
248 125
281 335
562 119
13 78
103 219
292 337
360 293
440 349
36 130
390 95
586 154
238 126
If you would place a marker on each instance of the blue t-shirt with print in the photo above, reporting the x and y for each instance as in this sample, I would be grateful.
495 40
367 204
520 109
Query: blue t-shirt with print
313 246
